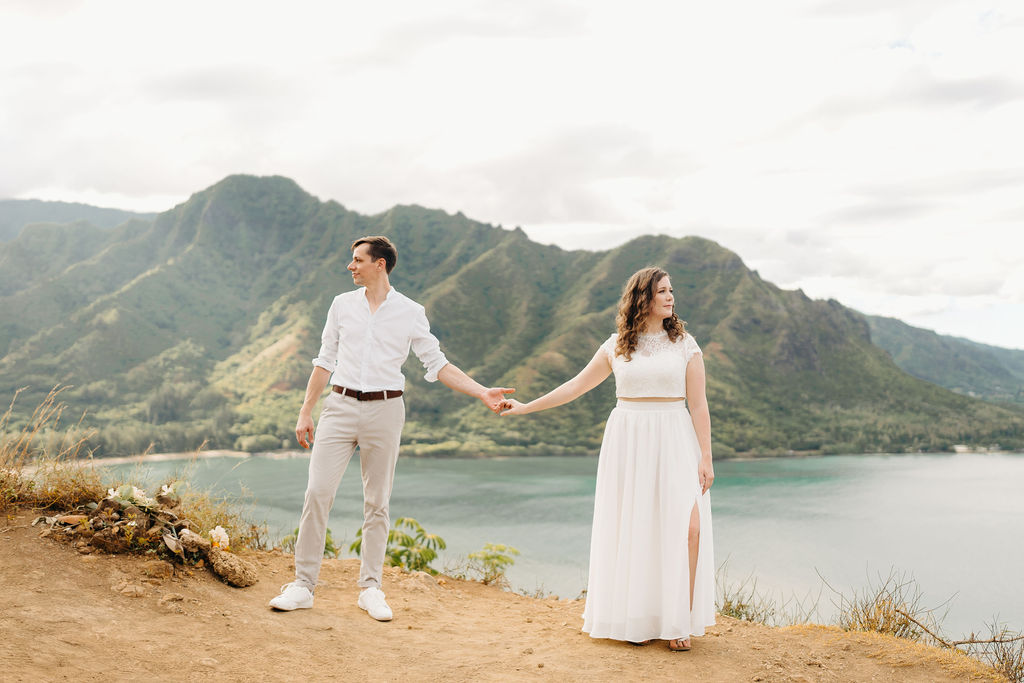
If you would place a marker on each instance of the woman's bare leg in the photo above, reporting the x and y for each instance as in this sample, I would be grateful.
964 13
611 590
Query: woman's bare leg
693 542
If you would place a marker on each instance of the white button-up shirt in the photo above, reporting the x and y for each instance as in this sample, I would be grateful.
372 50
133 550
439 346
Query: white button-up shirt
365 351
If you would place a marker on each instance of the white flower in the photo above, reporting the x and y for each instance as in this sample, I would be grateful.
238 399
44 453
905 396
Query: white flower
219 537
166 490
111 494
138 494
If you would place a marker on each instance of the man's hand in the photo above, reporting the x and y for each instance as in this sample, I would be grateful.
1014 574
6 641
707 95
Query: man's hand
304 430
494 398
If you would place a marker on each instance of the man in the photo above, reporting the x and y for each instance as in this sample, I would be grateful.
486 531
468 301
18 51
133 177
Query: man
367 337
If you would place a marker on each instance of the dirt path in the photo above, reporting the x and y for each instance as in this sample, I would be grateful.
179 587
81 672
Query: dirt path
67 616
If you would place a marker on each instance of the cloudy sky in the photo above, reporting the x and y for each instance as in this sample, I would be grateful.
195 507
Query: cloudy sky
865 150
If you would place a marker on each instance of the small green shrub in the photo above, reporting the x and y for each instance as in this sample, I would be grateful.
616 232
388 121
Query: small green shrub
492 561
412 550
331 549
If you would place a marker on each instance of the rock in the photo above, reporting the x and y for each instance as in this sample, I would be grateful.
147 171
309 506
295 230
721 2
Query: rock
171 597
109 540
209 661
158 569
231 568
420 582
193 542
133 590
168 501
72 519
107 504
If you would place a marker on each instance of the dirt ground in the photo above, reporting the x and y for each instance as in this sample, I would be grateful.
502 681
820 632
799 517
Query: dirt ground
68 616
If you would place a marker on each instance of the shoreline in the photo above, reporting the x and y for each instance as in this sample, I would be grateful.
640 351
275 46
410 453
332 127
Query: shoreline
286 454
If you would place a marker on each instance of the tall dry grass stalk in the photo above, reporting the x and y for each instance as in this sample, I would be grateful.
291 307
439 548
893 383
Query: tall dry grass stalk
742 600
891 606
42 465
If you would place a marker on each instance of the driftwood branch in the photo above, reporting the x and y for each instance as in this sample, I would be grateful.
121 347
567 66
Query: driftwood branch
925 628
969 641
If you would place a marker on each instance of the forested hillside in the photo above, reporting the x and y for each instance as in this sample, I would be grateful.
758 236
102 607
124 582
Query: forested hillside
200 326
962 365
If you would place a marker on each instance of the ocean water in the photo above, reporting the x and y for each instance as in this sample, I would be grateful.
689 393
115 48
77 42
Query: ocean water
954 523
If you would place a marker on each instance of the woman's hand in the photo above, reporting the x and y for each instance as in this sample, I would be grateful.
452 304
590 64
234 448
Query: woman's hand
705 473
514 407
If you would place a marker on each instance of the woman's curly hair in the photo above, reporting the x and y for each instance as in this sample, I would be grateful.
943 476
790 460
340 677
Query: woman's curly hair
635 306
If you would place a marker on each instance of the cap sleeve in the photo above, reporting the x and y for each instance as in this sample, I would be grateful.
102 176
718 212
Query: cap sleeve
690 348
609 347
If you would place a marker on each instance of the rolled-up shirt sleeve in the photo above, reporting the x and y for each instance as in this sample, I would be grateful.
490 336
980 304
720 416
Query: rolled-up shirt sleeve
328 356
426 347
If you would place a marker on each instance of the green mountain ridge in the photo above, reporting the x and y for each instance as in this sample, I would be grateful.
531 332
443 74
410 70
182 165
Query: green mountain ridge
200 326
15 214
961 365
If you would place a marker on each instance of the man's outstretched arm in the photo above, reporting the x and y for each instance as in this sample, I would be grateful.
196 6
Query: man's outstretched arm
457 380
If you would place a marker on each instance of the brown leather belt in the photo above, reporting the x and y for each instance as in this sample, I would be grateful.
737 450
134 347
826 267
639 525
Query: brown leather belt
367 395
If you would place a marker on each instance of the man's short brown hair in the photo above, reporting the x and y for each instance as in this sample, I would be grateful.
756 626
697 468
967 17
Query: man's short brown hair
380 247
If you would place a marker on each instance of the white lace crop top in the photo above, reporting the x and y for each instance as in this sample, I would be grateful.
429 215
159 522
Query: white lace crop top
657 367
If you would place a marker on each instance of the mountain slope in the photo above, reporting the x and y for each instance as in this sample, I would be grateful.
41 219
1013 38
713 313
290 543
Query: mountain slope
15 214
961 365
201 324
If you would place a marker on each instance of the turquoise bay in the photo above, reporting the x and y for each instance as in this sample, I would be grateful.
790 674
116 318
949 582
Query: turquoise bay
953 522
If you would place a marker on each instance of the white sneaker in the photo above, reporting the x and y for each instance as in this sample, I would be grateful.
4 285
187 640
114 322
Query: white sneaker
372 600
293 596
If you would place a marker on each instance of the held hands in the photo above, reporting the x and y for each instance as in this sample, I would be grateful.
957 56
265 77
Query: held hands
494 398
514 407
304 430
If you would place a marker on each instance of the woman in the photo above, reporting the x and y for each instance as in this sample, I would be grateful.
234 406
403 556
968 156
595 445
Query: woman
651 564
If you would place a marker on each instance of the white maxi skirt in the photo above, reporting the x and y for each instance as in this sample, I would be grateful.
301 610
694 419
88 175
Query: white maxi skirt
647 483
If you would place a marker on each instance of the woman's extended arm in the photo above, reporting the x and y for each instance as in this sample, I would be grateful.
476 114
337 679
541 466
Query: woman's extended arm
697 402
597 371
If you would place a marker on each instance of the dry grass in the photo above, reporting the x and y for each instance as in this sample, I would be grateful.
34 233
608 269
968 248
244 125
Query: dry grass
207 511
892 606
42 465
742 600
45 467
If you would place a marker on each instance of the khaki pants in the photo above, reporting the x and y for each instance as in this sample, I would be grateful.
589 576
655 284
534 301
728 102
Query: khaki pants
376 427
